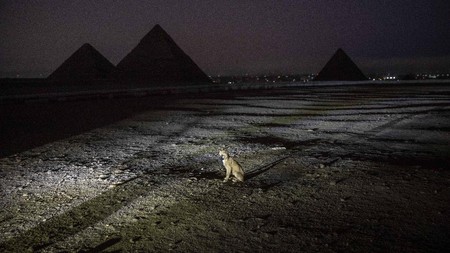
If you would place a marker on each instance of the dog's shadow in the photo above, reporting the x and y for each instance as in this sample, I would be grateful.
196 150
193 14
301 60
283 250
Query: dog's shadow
260 170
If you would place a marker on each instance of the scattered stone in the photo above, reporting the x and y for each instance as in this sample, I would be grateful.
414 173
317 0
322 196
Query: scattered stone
192 179
135 239
104 176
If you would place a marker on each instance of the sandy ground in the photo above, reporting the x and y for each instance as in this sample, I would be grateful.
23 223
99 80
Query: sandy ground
328 169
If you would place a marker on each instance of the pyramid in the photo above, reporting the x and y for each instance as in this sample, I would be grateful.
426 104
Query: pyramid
86 64
340 68
157 58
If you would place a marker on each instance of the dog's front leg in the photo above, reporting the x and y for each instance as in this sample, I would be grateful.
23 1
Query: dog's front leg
228 173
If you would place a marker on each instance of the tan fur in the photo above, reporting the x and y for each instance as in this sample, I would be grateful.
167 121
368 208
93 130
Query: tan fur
231 167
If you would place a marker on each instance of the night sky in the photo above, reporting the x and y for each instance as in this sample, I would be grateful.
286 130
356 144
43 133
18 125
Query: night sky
233 36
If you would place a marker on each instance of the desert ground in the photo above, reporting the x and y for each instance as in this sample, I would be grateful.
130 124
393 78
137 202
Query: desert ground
330 168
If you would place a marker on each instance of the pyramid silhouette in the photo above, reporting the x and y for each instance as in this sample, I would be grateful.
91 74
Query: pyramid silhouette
86 64
340 68
157 58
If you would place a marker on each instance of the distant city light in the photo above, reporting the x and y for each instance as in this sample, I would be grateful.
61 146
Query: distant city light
291 78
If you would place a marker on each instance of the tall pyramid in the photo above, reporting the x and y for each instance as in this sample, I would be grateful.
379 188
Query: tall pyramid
157 58
340 68
86 64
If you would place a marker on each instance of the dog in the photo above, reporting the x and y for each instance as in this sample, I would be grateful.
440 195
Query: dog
231 167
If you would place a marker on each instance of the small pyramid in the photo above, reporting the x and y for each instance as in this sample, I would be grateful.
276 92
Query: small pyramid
340 68
86 64
157 58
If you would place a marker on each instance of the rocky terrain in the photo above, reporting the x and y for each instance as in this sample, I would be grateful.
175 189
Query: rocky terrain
349 168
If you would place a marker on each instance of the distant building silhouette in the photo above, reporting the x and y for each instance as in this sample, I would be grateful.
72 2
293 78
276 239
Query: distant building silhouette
340 68
85 65
158 59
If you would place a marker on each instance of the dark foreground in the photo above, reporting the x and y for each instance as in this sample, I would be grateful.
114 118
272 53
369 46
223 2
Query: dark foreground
329 169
